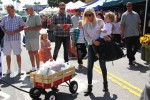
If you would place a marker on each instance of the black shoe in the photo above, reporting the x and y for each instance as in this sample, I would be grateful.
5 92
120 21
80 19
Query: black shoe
30 71
105 88
95 58
89 90
130 62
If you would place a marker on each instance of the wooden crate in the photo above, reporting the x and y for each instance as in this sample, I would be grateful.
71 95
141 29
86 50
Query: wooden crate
51 80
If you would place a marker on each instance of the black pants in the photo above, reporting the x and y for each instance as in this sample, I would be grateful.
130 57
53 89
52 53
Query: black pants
102 64
81 51
96 48
117 38
58 41
132 44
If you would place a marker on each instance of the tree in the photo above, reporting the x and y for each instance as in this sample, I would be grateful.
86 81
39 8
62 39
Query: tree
1 2
37 3
18 1
54 3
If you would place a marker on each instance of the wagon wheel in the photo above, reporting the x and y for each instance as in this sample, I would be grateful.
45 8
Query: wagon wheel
55 89
43 91
35 93
73 87
51 96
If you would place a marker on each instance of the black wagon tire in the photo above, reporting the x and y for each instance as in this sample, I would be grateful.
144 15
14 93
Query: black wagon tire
35 93
43 91
73 87
55 89
51 96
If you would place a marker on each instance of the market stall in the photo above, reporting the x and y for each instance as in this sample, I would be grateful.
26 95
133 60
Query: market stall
75 6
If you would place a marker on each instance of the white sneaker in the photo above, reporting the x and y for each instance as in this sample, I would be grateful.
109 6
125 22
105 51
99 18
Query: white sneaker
19 71
8 72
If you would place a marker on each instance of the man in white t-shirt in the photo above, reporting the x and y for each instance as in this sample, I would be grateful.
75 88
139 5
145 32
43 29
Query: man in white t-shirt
75 18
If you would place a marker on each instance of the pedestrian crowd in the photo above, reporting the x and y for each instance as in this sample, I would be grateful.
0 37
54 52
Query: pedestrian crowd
81 34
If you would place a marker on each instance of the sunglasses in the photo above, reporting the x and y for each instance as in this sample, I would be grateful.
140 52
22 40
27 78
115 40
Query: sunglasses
88 15
62 8
61 5
129 5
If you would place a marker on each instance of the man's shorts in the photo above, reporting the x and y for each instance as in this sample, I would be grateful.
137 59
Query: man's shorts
12 45
32 44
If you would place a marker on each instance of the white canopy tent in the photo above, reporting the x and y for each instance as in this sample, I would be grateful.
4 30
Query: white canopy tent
69 5
76 5
49 10
79 4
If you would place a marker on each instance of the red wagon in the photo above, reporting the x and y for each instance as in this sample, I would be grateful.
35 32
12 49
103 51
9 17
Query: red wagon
43 82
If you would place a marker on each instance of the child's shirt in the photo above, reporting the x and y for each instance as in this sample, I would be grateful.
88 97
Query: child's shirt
45 44
81 37
108 28
46 53
78 35
116 28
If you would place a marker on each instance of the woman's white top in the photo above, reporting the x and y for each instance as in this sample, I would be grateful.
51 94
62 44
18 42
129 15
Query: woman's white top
81 37
116 28
108 28
92 31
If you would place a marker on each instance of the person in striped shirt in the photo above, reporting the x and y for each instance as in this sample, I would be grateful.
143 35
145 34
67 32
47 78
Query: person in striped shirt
12 24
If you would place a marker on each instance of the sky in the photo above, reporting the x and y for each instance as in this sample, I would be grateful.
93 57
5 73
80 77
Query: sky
23 2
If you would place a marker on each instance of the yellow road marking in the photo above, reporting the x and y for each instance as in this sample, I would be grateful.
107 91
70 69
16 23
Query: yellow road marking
122 83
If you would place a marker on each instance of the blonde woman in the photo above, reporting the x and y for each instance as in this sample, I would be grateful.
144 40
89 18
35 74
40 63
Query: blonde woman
92 27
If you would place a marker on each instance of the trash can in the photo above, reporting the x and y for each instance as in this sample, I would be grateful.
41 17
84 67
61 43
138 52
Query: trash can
143 53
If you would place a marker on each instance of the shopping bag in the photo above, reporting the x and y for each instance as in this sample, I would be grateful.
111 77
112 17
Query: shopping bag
110 51
73 50
40 55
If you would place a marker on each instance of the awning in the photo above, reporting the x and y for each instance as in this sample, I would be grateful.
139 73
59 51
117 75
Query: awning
97 5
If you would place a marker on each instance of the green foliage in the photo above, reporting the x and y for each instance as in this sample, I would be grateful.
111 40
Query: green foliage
19 12
37 3
54 3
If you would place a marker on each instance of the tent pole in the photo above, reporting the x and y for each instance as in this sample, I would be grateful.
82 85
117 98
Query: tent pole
145 17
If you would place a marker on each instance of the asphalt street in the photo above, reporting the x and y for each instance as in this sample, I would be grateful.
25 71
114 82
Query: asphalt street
125 82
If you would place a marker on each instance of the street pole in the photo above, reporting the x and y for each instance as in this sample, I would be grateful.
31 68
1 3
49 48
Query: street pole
145 17
1 8
0 51
0 65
